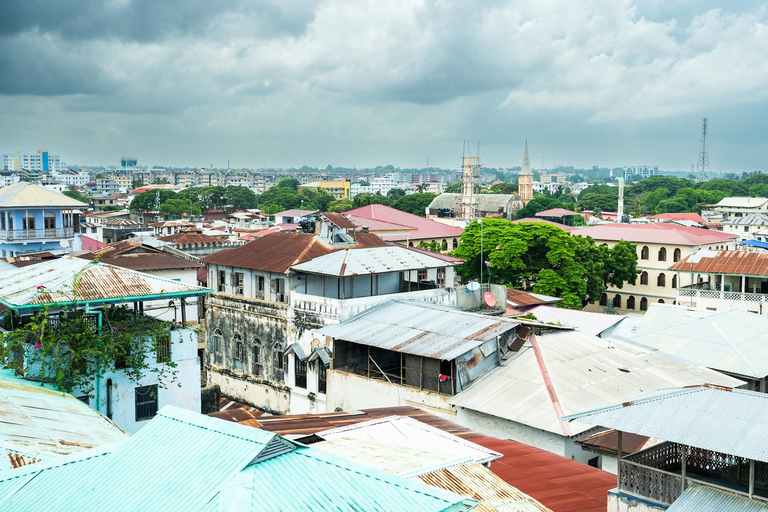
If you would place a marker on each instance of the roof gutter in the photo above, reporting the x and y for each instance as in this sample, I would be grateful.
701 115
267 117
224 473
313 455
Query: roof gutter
114 300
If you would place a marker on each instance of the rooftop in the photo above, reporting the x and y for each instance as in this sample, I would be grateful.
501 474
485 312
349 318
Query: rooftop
694 217
339 220
557 212
655 233
425 228
486 203
742 202
377 260
752 219
703 498
136 256
29 195
296 213
191 239
279 251
419 329
572 371
724 262
585 321
66 279
520 298
724 420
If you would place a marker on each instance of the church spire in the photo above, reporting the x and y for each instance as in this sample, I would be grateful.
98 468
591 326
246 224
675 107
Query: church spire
526 169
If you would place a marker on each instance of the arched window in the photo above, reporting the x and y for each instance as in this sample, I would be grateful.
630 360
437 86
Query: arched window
643 304
674 281
278 357
663 254
661 280
214 343
604 300
455 243
631 302
444 245
256 366
644 278
644 253
661 301
676 255
617 301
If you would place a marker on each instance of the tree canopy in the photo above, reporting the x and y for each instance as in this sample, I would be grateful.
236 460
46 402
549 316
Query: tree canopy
77 196
147 201
414 203
545 259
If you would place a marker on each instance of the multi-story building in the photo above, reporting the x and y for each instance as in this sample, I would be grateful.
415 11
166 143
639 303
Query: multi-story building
8 178
359 188
558 177
338 189
36 219
39 162
71 178
730 208
634 172
128 162
659 246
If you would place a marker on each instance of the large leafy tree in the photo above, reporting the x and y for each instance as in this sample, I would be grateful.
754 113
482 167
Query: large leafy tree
147 201
545 259
239 198
414 203
178 207
77 196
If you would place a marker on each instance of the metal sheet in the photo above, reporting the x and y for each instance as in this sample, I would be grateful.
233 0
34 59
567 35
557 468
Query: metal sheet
29 195
722 420
419 329
585 321
585 373
725 262
700 498
379 260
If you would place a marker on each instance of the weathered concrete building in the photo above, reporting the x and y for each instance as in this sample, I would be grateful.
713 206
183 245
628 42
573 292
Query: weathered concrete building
272 293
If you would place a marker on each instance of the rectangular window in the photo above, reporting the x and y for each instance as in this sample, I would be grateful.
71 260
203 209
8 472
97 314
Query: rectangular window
49 222
280 290
321 377
146 402
441 277
278 362
238 279
257 360
222 282
261 284
301 373
164 349
422 275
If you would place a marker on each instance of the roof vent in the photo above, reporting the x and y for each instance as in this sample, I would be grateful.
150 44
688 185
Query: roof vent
623 369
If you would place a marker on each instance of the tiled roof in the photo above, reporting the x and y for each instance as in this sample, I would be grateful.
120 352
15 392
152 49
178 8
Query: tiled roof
725 262
425 228
561 484
655 233
278 252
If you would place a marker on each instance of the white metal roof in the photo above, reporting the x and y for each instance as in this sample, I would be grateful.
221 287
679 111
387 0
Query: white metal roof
585 372
585 321
702 498
29 195
742 202
732 341
375 260
722 420
410 433
420 329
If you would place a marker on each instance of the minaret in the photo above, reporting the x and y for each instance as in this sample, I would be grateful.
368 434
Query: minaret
525 178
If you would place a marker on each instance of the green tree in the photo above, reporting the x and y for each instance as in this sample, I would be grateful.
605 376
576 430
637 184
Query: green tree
453 188
285 197
541 202
368 198
317 198
77 196
340 205
137 183
147 201
396 193
289 183
178 207
414 203
239 198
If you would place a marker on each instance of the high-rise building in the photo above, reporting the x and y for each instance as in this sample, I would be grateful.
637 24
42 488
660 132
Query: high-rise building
128 162
40 162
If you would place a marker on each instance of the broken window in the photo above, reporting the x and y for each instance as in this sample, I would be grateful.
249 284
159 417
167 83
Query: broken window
215 341
256 370
237 342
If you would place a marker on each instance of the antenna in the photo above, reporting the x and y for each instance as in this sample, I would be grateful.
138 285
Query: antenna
704 153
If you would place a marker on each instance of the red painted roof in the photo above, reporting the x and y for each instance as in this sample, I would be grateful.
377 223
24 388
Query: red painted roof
655 233
425 228
90 244
376 225
558 483
695 217
556 212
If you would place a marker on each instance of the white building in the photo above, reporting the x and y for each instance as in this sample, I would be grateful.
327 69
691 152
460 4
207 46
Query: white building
71 178
39 162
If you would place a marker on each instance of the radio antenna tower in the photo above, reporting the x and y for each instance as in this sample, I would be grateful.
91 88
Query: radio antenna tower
704 153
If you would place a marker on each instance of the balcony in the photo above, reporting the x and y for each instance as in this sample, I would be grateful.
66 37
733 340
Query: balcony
656 473
36 234
698 295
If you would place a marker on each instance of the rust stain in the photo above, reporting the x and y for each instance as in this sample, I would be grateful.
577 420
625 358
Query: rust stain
628 404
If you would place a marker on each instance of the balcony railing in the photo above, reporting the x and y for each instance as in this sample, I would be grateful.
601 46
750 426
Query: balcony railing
36 234
722 295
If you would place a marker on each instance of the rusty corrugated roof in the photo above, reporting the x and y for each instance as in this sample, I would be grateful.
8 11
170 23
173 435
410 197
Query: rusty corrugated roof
725 262
608 441
279 251
189 238
136 256
339 220
520 298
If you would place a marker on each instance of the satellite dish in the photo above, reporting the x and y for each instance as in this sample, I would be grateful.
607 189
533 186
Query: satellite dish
64 243
489 299
473 286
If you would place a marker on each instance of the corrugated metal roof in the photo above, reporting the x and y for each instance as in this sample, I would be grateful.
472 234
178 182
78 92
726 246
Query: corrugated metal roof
585 372
655 233
308 479
53 282
753 219
723 420
378 260
138 256
37 423
725 262
557 212
742 202
520 298
189 239
29 195
708 338
702 498
279 251
420 329
425 228
694 217
477 482
585 321
411 433
339 220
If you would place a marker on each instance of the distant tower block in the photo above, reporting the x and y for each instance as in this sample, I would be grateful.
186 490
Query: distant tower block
704 153
525 178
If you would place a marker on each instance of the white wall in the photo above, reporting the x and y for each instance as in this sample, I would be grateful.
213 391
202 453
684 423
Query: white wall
160 309
618 502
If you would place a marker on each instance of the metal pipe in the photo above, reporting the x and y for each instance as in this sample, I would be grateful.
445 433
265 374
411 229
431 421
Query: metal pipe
751 477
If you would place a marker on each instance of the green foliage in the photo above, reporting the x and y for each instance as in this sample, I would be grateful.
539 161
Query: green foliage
286 198
178 207
239 198
77 196
368 198
541 202
433 246
66 347
289 183
453 188
340 205
396 193
319 199
503 188
147 201
414 203
546 259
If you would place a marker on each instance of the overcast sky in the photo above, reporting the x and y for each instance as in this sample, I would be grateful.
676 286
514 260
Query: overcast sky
293 82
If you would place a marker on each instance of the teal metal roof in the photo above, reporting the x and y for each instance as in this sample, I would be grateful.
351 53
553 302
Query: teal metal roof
701 498
186 461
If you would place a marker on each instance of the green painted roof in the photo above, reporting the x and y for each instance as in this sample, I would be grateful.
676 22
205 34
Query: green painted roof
186 461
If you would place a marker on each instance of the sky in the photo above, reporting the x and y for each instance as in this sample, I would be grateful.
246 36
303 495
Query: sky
364 83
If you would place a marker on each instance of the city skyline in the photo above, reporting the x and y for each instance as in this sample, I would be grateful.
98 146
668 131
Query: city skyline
588 82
